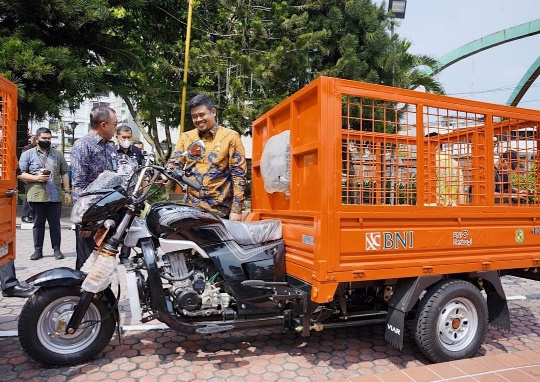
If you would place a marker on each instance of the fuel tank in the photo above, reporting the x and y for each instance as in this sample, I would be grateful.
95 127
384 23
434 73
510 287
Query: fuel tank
178 221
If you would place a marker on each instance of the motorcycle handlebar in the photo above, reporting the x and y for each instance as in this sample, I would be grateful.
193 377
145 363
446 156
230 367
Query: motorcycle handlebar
181 176
177 176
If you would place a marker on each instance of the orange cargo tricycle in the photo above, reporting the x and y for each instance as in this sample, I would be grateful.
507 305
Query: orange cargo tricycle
370 205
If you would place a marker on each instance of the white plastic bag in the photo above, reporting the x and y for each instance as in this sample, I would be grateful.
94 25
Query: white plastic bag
100 275
276 163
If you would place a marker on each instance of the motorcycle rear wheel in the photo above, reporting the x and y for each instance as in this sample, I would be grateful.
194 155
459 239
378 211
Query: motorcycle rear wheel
43 337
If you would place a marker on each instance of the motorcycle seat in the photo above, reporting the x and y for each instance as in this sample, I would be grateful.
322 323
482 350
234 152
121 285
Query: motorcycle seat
249 233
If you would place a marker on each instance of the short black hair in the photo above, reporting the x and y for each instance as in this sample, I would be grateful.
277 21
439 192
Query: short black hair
434 134
121 128
201 99
510 155
42 130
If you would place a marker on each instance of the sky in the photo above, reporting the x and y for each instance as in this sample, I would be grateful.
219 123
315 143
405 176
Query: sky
437 27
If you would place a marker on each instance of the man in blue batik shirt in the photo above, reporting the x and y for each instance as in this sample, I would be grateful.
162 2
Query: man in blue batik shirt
90 156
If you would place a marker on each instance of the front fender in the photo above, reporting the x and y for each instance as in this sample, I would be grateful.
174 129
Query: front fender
66 277
57 277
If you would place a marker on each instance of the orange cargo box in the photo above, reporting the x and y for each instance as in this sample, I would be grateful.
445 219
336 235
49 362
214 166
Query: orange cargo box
373 182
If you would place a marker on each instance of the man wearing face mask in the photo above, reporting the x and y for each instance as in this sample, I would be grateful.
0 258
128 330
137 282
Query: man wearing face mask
129 158
45 170
128 155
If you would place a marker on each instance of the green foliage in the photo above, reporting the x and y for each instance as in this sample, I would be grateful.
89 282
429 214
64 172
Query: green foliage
406 193
526 181
402 69
248 55
51 52
54 53
159 193
250 61
370 193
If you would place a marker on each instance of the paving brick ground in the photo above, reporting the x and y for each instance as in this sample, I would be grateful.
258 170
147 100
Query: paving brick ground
269 355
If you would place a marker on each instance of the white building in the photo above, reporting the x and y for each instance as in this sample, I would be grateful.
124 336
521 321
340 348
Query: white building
81 117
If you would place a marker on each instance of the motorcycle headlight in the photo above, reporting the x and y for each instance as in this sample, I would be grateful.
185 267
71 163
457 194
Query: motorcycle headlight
82 205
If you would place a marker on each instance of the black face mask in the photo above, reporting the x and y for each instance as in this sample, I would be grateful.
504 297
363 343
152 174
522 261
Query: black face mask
44 144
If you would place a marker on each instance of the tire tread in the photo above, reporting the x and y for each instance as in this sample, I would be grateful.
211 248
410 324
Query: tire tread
424 323
27 329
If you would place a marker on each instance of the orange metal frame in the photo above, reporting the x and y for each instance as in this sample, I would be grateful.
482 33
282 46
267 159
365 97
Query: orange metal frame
8 165
365 184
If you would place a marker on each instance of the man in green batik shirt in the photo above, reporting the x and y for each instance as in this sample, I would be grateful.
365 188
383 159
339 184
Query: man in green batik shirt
45 170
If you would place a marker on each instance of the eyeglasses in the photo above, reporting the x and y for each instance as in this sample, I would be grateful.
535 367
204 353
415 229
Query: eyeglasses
111 123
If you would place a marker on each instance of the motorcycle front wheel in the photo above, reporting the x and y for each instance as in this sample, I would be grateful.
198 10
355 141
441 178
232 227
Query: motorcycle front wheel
42 327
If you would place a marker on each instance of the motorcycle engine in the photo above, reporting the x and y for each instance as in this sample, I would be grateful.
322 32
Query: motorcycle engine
193 292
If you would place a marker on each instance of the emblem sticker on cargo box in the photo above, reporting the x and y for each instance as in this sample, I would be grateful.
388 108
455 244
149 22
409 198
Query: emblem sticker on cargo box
389 240
461 238
520 236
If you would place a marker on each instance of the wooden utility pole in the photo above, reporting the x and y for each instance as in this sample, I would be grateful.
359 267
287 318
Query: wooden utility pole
186 65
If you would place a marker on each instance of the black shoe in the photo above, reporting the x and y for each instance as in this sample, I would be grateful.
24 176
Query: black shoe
58 255
26 219
18 291
124 260
38 254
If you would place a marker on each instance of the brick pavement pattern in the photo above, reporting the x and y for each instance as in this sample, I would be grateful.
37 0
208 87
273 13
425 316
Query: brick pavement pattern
355 354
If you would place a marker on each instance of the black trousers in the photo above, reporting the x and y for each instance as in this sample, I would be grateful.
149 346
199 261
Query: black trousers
50 212
26 210
84 247
26 207
7 275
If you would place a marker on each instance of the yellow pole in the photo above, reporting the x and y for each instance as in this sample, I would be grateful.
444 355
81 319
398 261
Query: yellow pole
186 64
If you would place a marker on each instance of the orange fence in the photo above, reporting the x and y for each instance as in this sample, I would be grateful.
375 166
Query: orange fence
460 150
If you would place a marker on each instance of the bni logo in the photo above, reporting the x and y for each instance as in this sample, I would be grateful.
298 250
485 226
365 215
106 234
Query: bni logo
389 240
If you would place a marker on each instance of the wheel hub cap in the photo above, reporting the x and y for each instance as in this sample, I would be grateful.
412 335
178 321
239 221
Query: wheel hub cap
457 324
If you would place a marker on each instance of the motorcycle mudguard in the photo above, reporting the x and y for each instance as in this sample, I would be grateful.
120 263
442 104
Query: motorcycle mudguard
65 277
57 277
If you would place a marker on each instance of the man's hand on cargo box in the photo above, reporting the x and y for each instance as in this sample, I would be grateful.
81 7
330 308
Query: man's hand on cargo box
235 217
